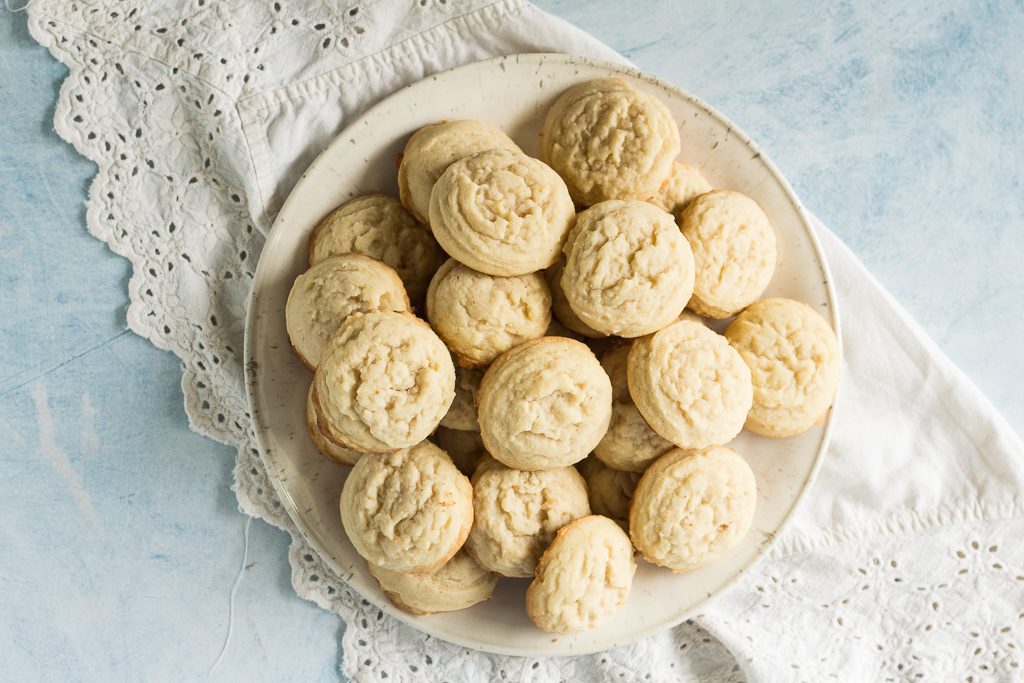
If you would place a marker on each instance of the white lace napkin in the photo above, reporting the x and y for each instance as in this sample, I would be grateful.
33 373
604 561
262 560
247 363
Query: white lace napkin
905 563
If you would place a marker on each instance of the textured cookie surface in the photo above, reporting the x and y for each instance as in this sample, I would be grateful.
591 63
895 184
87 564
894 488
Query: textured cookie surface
407 511
545 403
733 251
481 316
609 141
501 212
583 578
629 444
560 307
683 185
692 506
690 385
325 295
611 491
458 584
384 383
517 514
628 270
462 413
794 361
379 227
327 448
432 149
465 448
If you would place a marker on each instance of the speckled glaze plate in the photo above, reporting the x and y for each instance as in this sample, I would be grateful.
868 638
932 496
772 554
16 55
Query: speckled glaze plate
514 93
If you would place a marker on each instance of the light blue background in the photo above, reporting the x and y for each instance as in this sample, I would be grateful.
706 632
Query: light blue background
899 124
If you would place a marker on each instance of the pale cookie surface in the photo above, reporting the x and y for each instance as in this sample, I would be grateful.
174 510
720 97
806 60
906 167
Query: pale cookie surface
379 227
733 250
609 141
464 447
690 385
481 316
560 307
583 578
611 491
545 403
459 584
681 187
408 511
517 513
692 506
327 448
794 360
501 212
629 444
325 295
432 149
628 270
384 383
462 414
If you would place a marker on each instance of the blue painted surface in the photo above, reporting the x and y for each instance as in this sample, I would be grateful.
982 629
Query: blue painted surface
898 124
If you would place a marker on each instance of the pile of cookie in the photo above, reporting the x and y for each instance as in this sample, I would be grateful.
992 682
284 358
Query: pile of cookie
557 409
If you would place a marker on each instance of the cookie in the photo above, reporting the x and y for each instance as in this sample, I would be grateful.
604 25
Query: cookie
384 383
733 251
464 447
629 444
501 212
609 141
583 578
560 308
610 491
794 361
690 507
325 295
517 513
458 584
432 149
481 316
628 269
462 413
379 227
408 511
683 185
327 448
544 404
690 385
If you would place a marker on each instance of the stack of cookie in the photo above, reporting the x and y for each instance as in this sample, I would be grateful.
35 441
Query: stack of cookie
557 408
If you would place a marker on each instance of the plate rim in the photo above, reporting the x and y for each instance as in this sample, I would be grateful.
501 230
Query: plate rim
250 366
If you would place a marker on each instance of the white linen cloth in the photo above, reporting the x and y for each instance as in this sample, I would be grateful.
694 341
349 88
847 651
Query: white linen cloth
905 562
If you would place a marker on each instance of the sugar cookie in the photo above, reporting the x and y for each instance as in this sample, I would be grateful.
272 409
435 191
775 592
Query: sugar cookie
327 448
462 413
683 185
458 584
610 490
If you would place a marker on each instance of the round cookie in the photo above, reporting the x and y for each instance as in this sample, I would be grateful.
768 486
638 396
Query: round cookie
583 578
683 185
560 307
384 382
501 212
462 413
610 490
609 141
544 404
628 270
379 227
464 447
325 295
481 316
327 448
459 584
517 513
408 511
690 385
793 356
733 251
629 444
432 149
692 506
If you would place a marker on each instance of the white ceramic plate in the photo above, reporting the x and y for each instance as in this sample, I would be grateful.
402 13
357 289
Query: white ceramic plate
514 93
